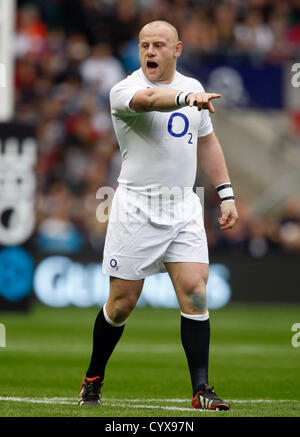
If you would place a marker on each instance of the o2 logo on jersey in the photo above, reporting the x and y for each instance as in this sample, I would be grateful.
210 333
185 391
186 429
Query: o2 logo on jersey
185 126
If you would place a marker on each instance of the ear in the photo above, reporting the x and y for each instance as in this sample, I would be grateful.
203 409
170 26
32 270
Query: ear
178 49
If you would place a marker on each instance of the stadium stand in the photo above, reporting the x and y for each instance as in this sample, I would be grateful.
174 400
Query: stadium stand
69 54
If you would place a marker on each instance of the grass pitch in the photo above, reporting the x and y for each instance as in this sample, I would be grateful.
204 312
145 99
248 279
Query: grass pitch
252 364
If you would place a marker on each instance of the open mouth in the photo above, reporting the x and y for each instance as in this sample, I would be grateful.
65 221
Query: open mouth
151 65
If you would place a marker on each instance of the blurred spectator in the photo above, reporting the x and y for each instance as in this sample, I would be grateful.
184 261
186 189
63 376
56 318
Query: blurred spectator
101 71
253 36
259 244
225 16
96 19
32 31
55 231
289 231
124 21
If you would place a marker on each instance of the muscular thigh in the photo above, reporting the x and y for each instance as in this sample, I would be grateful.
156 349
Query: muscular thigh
123 289
189 281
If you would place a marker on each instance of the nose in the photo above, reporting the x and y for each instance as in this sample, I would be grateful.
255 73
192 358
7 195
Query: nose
151 50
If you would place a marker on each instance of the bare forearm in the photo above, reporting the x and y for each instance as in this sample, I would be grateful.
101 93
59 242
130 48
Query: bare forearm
213 164
167 99
154 99
211 160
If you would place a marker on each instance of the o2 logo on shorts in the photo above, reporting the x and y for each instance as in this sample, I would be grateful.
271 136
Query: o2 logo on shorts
185 128
114 264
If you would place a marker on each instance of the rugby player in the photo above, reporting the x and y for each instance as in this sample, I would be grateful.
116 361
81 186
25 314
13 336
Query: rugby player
161 118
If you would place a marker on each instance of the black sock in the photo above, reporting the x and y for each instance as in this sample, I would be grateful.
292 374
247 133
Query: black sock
195 336
105 338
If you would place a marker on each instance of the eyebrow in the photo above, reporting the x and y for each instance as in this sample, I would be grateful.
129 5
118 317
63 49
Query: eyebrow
154 42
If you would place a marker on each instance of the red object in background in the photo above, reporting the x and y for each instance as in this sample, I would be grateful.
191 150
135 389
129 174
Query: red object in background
79 126
25 75
36 29
293 34
295 121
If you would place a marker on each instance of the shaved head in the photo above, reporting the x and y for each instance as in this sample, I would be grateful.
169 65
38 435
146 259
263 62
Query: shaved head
159 50
158 25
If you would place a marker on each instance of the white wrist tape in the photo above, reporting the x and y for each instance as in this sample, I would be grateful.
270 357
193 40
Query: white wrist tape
225 191
181 98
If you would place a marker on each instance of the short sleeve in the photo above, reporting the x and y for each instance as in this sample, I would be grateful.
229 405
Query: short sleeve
206 126
120 97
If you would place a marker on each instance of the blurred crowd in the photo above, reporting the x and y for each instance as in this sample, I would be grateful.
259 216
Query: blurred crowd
68 56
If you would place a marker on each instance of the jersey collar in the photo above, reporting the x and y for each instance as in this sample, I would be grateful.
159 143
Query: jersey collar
166 85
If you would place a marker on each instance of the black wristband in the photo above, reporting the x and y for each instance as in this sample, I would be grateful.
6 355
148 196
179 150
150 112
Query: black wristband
186 97
221 187
177 98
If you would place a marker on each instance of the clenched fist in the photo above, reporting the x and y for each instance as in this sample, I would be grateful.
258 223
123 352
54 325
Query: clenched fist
229 215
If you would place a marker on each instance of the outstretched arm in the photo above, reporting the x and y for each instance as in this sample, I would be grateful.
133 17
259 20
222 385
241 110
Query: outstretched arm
167 99
213 164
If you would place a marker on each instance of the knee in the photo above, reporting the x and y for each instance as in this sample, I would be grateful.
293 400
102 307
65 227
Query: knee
194 297
120 309
193 283
194 287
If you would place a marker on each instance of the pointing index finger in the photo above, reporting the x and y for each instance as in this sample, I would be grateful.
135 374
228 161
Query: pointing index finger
214 96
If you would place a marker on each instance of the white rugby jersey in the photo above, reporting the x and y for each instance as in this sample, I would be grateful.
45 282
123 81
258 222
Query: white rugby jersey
159 149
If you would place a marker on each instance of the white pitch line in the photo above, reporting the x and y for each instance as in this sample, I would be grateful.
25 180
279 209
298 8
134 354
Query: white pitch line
37 401
241 401
125 403
53 401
